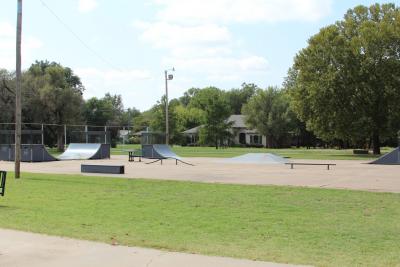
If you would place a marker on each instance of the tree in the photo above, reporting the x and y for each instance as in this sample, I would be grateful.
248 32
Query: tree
188 95
268 111
54 95
128 116
347 81
142 121
157 122
98 111
7 96
238 97
216 109
109 111
188 118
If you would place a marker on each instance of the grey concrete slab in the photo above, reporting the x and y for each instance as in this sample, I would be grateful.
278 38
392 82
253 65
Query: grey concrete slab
257 158
21 249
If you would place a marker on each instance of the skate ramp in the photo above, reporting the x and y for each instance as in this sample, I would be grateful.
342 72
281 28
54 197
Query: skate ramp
82 151
391 158
257 158
165 152
160 152
29 153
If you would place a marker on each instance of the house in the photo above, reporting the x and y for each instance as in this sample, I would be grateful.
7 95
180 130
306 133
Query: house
242 135
192 135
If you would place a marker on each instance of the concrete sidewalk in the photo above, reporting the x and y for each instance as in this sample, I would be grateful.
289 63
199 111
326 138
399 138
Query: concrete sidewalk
20 249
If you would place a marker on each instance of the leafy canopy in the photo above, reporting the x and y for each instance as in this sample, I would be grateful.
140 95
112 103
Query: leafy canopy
346 83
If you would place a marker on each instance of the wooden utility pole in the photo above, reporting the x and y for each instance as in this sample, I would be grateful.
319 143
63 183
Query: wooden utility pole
18 93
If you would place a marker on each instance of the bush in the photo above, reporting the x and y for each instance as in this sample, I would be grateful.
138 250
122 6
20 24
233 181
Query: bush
360 151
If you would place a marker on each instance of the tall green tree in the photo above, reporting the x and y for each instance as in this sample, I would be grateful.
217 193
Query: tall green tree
347 81
7 96
216 112
188 95
157 122
98 112
238 97
109 111
269 112
52 94
128 116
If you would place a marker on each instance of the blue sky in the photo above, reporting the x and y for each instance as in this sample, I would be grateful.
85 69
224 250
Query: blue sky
221 43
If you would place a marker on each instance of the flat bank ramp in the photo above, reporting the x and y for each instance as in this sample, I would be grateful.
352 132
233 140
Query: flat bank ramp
391 158
257 158
82 151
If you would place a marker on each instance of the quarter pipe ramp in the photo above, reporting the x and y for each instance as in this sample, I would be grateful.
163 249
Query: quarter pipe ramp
29 153
160 152
82 151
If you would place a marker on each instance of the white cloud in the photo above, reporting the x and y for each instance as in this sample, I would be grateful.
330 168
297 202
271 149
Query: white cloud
6 29
198 37
166 35
208 49
7 47
220 64
127 82
85 6
241 11
98 81
113 76
217 68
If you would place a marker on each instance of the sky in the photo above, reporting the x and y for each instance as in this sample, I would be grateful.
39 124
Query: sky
124 46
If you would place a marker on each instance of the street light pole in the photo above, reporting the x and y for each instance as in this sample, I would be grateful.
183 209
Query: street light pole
167 78
18 93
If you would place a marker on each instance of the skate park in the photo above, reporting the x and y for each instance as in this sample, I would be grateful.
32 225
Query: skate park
155 160
260 170
180 133
158 163
345 175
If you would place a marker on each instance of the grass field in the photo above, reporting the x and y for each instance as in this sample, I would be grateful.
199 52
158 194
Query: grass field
295 153
281 224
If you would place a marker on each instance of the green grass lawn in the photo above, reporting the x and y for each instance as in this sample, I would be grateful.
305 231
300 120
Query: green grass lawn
295 153
281 224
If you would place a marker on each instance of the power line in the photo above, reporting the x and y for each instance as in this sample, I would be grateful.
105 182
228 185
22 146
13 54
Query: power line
78 38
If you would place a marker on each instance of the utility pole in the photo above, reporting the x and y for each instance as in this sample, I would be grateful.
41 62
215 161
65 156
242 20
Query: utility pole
167 78
18 94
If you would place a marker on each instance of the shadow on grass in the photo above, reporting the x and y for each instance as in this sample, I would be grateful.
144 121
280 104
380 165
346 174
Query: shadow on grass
356 156
4 207
73 180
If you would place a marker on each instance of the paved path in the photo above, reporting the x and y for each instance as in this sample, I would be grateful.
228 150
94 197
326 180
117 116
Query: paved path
348 174
20 249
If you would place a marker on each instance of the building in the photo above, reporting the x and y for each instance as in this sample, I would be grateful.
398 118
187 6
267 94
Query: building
242 135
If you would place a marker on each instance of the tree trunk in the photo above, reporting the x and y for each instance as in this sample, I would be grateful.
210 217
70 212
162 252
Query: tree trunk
60 139
269 141
376 144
